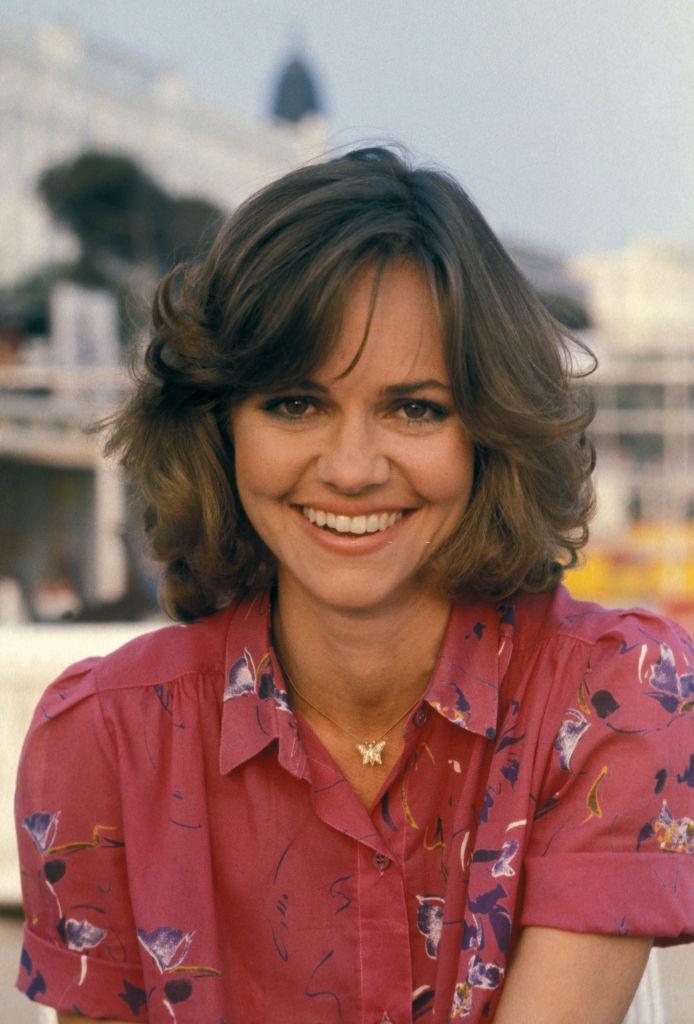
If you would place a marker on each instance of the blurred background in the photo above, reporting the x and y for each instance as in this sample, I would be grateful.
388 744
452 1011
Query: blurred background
129 131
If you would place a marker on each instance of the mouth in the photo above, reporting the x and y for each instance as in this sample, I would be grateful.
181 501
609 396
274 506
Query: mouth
376 522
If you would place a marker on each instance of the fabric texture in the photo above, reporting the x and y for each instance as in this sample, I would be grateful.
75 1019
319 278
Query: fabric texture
190 853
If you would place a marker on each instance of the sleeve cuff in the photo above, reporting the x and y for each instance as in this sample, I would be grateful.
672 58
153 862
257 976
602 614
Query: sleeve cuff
650 894
80 983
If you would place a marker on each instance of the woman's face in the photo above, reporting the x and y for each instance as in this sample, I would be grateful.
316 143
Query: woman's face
354 482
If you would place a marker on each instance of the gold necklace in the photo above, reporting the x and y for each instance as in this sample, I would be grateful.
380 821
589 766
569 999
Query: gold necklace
370 750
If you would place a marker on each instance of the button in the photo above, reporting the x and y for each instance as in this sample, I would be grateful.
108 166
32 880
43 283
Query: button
381 862
421 714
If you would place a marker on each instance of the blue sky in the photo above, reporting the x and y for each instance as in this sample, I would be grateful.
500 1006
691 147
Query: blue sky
570 121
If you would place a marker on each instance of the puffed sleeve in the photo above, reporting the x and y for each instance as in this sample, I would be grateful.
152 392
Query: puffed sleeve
611 847
80 950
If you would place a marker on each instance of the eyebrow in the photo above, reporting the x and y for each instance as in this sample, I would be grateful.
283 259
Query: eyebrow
406 387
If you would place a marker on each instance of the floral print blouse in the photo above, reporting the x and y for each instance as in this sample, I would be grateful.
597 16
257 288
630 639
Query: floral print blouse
190 853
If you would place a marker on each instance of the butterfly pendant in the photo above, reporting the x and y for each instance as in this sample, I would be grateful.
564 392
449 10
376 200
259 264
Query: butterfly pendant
371 751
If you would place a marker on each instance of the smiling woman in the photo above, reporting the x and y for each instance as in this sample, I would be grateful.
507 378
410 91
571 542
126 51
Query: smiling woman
389 771
377 457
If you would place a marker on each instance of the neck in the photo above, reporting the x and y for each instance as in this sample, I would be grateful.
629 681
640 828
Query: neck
359 667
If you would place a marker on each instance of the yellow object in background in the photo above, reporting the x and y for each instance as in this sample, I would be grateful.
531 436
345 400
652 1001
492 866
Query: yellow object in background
651 565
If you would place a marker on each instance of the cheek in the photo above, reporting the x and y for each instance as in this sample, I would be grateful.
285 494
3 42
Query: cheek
264 467
447 473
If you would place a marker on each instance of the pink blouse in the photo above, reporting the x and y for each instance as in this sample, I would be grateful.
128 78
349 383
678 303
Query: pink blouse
190 853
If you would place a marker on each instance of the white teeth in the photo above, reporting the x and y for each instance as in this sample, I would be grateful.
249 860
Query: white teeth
358 524
352 524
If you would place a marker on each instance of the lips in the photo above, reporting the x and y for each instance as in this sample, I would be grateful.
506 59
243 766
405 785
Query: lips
375 522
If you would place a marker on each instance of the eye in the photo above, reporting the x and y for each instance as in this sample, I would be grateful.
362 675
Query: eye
422 412
292 407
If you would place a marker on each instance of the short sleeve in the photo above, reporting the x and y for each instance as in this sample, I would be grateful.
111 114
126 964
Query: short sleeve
611 847
80 952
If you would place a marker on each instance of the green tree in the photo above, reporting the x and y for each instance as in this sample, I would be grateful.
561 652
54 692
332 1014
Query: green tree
122 218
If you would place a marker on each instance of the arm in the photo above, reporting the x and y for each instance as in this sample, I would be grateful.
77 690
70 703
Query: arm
80 946
559 977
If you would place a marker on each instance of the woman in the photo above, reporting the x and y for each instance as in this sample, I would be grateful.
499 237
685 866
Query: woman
390 771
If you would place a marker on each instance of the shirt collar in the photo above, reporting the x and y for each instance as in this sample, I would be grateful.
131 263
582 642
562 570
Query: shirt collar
473 660
256 707
464 686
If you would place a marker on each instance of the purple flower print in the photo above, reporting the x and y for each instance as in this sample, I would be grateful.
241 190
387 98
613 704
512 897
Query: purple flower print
570 732
168 947
178 990
481 975
473 933
674 835
503 865
267 688
241 677
42 828
430 922
488 904
81 935
135 998
673 690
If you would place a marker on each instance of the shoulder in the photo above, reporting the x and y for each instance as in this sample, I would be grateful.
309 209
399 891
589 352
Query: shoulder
557 616
163 655
155 658
623 665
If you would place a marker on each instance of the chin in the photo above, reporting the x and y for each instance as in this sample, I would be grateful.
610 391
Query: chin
363 597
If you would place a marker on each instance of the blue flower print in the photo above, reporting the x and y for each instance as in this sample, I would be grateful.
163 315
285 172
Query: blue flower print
570 732
675 692
430 922
168 947
499 917
479 975
42 828
241 677
81 935
503 865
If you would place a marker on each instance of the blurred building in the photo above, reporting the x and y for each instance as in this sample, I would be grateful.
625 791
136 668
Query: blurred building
641 297
641 304
62 94
67 539
640 301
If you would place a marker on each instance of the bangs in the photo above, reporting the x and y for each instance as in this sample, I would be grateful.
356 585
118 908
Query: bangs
286 340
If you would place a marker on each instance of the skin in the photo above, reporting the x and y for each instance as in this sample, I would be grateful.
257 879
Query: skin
371 611
383 438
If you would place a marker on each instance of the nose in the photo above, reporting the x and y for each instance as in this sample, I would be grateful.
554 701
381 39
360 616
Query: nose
353 459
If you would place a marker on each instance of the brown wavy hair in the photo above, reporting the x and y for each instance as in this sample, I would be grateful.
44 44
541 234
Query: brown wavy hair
262 311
